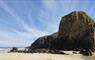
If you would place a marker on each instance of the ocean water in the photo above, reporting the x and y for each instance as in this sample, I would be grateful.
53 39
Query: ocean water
7 49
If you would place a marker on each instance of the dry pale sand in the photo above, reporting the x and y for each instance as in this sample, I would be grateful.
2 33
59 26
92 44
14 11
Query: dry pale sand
41 56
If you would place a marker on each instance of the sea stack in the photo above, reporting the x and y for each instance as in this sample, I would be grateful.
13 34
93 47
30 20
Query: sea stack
76 32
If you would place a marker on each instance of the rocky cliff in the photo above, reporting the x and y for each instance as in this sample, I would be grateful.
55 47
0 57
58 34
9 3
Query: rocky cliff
44 42
76 32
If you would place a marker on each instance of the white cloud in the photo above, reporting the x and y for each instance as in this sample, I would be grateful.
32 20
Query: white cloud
46 19
33 30
51 5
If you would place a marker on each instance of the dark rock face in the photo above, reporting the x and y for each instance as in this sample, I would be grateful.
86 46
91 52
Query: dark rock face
76 32
86 52
43 42
14 49
74 24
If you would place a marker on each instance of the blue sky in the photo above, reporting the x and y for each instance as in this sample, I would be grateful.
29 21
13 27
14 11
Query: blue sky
23 21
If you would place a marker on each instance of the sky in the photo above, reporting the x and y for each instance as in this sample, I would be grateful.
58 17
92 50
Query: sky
23 21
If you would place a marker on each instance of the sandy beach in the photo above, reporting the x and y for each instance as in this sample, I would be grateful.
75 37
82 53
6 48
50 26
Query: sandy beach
42 56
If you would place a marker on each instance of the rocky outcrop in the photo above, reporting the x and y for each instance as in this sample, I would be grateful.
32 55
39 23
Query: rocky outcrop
86 52
76 32
48 51
74 24
14 49
44 42
17 50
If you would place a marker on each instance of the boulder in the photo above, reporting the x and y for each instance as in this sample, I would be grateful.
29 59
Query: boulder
14 49
86 52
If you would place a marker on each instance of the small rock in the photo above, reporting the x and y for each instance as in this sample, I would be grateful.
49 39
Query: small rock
14 49
86 52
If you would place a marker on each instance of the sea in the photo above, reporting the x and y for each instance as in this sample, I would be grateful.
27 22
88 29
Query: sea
7 49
